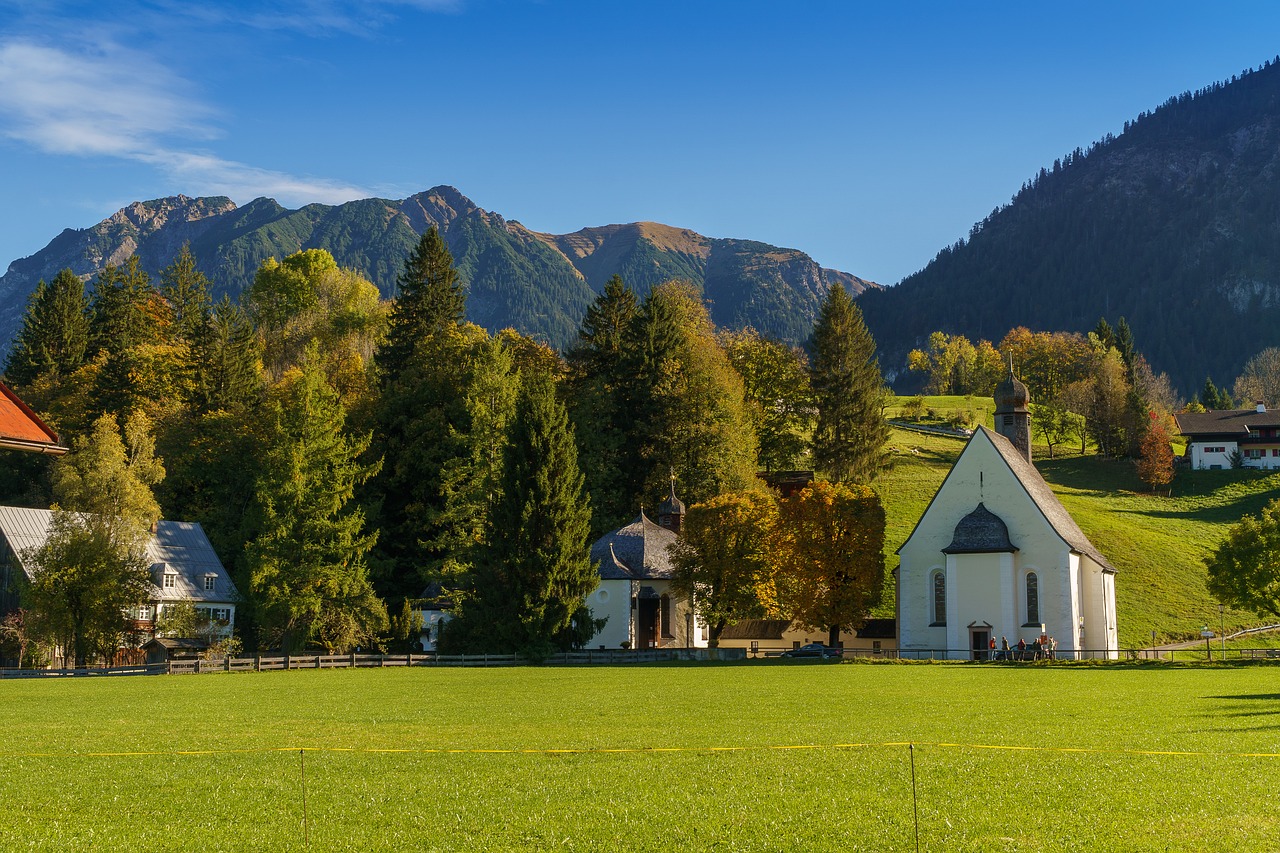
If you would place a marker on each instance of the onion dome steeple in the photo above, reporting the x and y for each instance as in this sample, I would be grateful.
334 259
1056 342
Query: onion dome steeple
1013 412
671 510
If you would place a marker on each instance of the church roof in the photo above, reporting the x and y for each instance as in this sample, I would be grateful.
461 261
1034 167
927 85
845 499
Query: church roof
1039 492
980 532
638 551
1011 395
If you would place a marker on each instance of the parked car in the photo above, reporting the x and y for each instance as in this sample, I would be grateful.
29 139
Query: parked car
813 650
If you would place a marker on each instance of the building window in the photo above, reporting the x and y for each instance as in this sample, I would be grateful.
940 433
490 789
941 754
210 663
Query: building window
666 616
1033 599
208 582
939 599
170 580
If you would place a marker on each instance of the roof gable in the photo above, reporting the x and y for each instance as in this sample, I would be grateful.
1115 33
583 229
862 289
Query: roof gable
22 429
1225 421
639 550
1033 485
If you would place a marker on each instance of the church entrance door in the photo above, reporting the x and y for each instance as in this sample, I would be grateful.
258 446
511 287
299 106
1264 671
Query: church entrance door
979 642
647 623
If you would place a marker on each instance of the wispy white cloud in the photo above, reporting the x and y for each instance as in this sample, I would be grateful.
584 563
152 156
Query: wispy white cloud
316 18
105 100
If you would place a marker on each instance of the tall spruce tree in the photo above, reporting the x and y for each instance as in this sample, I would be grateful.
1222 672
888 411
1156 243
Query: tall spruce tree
597 404
54 338
533 572
851 432
186 290
307 576
430 299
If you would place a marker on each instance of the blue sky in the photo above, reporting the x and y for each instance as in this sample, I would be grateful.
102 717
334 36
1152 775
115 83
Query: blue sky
867 134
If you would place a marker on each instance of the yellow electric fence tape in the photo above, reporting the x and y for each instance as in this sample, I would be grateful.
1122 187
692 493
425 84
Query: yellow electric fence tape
638 749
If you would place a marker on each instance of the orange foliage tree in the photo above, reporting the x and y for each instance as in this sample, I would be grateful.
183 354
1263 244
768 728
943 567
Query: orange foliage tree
1155 462
828 549
721 559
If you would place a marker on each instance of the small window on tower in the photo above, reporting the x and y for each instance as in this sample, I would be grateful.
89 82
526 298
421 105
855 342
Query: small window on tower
1008 420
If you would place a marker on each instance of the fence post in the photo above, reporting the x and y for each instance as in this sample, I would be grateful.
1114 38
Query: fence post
226 663
197 666
353 660
286 662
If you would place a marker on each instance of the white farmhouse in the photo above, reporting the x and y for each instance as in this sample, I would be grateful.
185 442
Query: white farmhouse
1215 437
996 555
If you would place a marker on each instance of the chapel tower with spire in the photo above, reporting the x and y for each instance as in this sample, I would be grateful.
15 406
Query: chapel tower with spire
1013 413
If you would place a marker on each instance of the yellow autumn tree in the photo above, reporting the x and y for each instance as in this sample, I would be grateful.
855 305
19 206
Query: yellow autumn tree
722 558
828 553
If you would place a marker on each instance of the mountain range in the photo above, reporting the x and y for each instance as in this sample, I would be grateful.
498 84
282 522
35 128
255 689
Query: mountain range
1174 224
540 284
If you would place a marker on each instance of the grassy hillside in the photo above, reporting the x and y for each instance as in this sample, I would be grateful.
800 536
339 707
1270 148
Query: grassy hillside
1156 543
754 757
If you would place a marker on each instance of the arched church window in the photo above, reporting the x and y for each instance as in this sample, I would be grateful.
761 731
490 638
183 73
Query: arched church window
1033 599
939 581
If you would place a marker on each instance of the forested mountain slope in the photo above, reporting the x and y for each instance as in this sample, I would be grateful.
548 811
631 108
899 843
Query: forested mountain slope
1173 224
538 283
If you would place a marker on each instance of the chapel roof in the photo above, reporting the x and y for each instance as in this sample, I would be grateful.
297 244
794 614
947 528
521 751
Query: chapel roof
637 550
672 505
1038 490
980 532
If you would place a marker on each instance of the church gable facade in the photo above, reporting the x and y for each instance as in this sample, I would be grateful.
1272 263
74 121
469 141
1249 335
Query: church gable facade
996 555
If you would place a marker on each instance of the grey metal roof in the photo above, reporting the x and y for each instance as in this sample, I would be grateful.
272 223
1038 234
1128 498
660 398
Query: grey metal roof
180 548
980 532
639 548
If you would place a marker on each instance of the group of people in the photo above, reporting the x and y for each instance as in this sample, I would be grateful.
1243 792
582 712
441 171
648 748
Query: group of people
1043 647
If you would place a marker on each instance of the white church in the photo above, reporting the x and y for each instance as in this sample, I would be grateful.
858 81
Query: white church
996 557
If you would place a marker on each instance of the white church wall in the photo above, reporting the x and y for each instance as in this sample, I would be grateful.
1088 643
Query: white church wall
612 598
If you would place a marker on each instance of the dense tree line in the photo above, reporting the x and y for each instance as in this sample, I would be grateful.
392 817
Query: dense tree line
344 454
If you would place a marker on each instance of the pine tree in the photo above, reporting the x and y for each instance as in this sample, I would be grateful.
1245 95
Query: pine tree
430 299
1124 345
533 572
849 439
308 579
186 290
54 338
1209 395
126 310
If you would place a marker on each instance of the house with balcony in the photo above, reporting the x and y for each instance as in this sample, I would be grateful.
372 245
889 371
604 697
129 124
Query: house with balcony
1214 437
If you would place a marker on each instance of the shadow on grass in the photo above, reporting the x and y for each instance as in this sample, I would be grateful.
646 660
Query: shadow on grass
1265 697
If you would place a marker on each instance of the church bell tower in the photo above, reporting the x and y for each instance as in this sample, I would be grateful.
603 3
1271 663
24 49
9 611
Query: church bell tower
1013 413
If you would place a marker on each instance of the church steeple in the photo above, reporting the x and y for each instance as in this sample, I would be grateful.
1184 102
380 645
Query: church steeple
1013 413
671 511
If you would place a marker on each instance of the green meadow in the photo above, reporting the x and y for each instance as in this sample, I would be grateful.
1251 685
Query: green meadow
765 756
1156 542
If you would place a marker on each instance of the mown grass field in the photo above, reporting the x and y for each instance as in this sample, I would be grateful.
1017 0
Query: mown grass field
402 759
1156 542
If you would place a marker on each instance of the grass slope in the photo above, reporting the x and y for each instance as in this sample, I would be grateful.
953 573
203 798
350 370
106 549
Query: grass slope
1157 543
404 766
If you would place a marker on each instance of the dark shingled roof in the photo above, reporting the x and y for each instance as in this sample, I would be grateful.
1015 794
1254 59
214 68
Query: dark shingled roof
878 629
980 532
672 505
637 551
1011 395
756 629
1225 422
1050 507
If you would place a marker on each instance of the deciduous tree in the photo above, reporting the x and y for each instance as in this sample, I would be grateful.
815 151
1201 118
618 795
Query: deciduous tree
829 556
1244 569
722 558
776 382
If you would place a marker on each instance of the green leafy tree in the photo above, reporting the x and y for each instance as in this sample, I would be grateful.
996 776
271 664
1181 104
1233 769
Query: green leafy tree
722 558
776 382
851 432
533 572
828 551
1054 423
54 338
1244 569
307 576
92 565
430 299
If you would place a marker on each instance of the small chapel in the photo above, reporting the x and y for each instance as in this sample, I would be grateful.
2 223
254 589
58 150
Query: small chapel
997 558
635 585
